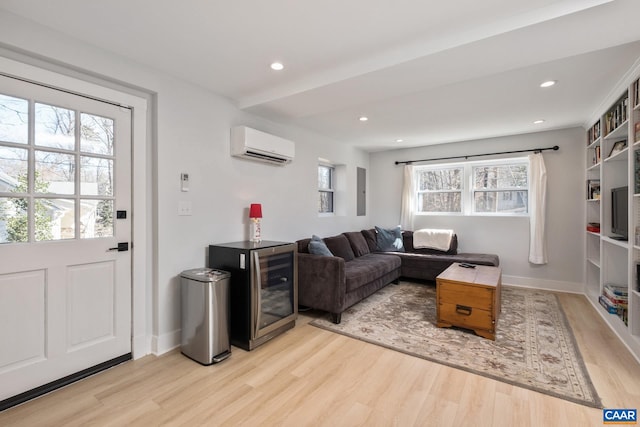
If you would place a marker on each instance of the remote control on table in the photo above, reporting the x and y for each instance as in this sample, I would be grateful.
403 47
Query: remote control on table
465 265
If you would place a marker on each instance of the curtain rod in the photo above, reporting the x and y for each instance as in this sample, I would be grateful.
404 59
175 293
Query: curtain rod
535 150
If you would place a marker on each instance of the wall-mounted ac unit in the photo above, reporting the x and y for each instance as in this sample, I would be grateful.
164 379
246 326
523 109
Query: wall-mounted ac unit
253 144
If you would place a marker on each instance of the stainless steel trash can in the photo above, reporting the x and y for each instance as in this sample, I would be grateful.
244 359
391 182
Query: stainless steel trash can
205 315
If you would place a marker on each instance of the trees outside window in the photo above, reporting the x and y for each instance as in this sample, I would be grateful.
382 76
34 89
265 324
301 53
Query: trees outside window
58 148
499 187
326 185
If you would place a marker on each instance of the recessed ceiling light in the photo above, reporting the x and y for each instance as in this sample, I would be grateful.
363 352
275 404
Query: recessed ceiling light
398 140
548 83
537 122
363 118
277 66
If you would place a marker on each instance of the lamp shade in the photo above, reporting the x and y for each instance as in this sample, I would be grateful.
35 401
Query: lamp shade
255 211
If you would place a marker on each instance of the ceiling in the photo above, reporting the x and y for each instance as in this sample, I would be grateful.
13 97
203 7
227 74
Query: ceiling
425 72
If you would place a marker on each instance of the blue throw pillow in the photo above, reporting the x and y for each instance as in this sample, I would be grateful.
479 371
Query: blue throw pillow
389 240
318 247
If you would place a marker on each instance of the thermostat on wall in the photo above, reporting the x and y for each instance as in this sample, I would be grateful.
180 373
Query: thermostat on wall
184 181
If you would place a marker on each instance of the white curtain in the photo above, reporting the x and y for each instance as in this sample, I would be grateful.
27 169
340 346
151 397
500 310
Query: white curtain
408 194
537 203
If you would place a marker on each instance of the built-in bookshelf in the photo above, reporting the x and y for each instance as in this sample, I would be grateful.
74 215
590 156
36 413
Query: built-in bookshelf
612 263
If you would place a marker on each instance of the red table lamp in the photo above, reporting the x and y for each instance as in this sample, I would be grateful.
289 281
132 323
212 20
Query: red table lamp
255 213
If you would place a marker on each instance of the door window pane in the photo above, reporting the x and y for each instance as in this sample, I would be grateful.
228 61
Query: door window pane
96 134
13 170
14 119
96 218
13 220
54 219
55 172
54 127
96 176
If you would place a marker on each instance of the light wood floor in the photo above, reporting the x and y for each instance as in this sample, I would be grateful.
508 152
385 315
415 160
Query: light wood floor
310 376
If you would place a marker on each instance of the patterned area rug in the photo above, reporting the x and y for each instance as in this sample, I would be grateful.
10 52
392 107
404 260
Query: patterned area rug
534 346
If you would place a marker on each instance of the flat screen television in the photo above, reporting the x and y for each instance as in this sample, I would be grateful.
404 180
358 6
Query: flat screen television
620 212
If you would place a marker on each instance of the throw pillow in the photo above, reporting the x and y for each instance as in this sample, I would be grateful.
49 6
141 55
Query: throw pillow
389 240
339 246
318 247
370 237
358 243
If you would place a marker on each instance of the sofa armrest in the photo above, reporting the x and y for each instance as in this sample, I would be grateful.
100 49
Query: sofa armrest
321 282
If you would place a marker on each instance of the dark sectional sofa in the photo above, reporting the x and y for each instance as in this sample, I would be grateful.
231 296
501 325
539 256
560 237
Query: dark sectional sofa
357 268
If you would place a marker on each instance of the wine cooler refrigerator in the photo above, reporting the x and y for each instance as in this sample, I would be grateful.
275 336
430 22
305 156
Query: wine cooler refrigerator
263 289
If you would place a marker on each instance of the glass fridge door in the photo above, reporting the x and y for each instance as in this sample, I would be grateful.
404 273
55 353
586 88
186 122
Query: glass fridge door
274 290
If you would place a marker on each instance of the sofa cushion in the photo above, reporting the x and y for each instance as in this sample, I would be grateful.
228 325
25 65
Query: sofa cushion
318 247
407 238
339 246
303 246
358 243
370 237
429 266
369 267
389 240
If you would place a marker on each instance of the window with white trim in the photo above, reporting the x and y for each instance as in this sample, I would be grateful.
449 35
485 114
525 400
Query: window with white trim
440 189
501 188
496 187
326 186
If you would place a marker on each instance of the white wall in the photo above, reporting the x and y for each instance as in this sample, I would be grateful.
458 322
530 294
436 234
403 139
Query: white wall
189 132
193 128
506 236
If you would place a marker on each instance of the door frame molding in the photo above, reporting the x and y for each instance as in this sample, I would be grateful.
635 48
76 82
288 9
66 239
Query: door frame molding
141 269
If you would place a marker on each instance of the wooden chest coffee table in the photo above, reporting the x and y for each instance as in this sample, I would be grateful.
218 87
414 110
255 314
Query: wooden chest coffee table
469 298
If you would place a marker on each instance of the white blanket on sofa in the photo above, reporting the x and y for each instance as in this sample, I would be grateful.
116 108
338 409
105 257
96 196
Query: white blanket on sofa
432 238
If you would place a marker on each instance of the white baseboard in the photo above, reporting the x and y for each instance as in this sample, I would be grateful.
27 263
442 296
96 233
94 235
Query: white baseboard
549 285
141 346
161 344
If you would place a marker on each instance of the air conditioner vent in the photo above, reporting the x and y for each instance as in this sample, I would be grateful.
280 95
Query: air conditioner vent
252 144
266 157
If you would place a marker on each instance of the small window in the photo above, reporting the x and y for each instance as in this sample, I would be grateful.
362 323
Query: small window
501 189
326 186
440 189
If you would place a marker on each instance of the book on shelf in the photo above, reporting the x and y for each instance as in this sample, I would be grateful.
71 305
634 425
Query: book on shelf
593 189
636 132
613 307
623 314
593 227
619 290
617 115
607 305
593 133
615 299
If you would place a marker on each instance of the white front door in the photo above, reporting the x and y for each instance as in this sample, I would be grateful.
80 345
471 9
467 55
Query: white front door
65 202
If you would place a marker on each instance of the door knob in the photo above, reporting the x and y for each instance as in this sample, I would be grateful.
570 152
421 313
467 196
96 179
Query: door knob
122 247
